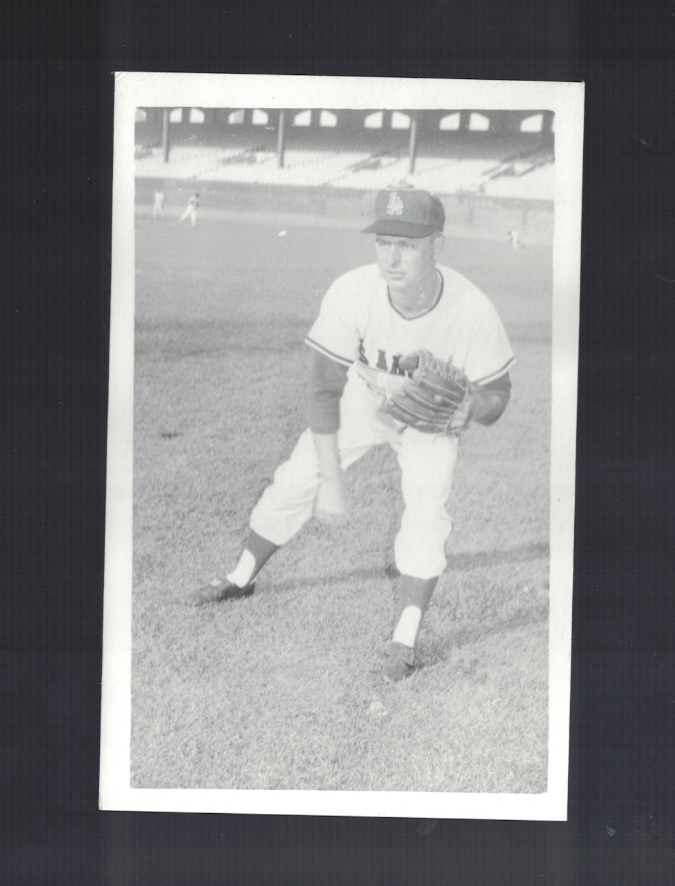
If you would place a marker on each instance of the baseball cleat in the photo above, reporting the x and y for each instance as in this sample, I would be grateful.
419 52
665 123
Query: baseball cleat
399 664
218 590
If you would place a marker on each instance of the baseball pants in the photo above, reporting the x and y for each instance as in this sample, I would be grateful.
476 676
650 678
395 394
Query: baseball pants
191 214
427 462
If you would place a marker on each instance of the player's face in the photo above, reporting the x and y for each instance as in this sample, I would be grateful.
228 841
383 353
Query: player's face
406 262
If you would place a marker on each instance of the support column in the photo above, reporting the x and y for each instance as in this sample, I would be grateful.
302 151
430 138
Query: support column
165 134
498 122
413 144
281 143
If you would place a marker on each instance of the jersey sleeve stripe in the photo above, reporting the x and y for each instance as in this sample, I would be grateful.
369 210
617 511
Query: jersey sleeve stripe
322 350
493 375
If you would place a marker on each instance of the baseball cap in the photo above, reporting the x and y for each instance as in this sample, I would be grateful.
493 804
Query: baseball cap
404 211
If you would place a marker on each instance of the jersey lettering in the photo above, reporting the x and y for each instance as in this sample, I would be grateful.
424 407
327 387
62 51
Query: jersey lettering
382 361
395 368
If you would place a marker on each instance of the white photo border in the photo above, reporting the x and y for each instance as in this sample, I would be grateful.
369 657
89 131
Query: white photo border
133 89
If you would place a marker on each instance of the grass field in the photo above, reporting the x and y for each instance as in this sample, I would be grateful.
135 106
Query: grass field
282 690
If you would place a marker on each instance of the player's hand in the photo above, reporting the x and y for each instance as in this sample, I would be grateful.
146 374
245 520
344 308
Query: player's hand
330 503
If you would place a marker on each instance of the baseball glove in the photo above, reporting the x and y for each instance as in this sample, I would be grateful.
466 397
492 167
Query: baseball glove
437 399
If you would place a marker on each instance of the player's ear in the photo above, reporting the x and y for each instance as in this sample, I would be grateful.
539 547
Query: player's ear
439 243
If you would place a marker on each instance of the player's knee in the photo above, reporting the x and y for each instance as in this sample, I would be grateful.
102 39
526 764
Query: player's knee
428 519
426 495
302 469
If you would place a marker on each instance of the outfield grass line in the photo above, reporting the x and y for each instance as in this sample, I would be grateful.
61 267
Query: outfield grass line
285 219
248 216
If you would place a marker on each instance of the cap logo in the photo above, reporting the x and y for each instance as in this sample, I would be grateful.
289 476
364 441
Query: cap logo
395 205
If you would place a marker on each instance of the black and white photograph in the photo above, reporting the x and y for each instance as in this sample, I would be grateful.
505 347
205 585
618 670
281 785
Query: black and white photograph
340 495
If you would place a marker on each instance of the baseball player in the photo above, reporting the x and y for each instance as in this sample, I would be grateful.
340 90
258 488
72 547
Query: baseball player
406 352
158 206
191 210
514 239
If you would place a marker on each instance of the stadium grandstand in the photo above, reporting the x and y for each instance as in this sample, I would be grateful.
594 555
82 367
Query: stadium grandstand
507 154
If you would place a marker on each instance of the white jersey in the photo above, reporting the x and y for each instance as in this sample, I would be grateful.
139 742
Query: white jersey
359 326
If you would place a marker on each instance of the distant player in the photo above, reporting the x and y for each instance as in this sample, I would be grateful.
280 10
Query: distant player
407 353
514 239
191 210
158 207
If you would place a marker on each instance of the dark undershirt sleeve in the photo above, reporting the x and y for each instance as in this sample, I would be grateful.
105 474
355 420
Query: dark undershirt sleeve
492 400
327 381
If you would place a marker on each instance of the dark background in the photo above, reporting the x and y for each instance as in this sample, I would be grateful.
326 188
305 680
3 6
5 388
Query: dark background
57 150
